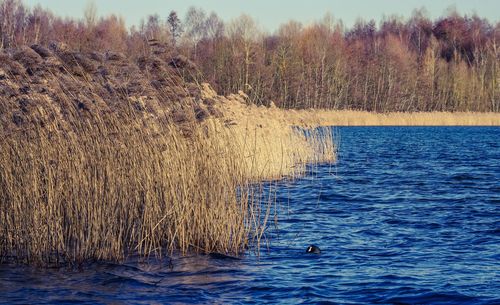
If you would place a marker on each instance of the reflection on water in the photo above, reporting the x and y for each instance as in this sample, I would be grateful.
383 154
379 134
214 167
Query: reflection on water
408 215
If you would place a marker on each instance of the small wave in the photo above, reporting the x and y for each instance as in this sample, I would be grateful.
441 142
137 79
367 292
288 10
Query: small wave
389 253
463 177
398 278
114 279
433 298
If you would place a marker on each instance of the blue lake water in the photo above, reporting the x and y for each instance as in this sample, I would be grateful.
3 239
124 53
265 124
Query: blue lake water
409 215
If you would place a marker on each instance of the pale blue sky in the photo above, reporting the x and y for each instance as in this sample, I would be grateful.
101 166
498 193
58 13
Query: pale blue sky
271 13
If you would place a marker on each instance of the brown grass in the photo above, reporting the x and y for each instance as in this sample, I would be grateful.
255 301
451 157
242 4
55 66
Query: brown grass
237 107
273 145
109 191
364 118
105 193
93 169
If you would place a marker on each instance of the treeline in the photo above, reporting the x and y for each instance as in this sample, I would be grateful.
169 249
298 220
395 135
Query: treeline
414 64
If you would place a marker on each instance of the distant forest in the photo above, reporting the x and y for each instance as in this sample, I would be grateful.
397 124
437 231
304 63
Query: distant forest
401 64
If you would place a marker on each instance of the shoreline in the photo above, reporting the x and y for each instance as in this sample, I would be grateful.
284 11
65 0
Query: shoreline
236 109
364 118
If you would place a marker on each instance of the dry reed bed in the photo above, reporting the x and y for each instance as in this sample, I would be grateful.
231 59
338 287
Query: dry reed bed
237 107
364 118
108 191
269 153
89 170
273 145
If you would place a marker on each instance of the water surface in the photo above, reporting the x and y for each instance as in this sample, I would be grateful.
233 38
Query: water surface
408 215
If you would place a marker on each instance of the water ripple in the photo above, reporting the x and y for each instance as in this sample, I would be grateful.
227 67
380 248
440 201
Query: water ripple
408 216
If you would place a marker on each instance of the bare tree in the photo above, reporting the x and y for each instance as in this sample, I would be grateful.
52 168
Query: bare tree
155 29
10 19
214 27
38 25
244 33
90 14
195 26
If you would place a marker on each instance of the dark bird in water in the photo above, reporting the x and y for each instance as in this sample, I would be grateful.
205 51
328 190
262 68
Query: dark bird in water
313 249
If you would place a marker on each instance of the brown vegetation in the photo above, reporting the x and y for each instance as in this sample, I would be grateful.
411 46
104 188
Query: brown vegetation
109 146
272 142
418 64
365 118
101 157
312 118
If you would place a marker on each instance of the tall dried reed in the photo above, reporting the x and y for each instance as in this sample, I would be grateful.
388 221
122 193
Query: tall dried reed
104 189
107 192
110 190
274 151
89 172
273 142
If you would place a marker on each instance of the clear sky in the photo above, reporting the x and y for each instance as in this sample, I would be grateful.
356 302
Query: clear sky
271 13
